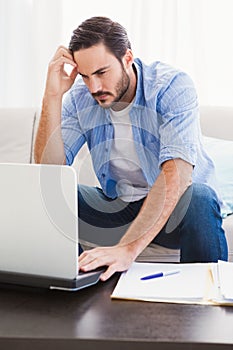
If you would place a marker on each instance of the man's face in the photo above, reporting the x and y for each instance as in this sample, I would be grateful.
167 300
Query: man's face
106 79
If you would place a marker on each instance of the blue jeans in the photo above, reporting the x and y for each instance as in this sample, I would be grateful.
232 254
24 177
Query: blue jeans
194 227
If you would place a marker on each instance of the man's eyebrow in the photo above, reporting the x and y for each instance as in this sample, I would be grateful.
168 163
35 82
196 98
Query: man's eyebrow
100 70
96 72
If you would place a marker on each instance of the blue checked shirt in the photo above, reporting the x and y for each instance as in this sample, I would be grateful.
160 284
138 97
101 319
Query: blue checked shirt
165 125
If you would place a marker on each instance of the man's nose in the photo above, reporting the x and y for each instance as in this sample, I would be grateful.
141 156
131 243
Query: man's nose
94 85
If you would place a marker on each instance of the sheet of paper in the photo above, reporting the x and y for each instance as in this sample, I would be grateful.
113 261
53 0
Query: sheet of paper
189 284
226 279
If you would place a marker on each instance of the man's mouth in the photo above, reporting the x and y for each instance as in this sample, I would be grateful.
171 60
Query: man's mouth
101 95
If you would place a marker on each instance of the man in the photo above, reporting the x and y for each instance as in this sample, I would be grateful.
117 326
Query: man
142 129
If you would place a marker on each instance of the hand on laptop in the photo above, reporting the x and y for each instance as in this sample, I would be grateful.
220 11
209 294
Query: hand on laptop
117 258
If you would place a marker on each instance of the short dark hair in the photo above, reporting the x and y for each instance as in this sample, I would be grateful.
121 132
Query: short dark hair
96 30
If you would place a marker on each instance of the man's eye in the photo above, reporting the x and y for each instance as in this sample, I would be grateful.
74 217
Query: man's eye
101 73
84 77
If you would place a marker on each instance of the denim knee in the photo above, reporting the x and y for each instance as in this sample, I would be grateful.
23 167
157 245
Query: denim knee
202 225
197 202
205 196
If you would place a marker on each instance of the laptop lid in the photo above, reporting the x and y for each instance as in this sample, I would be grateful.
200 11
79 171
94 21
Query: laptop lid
39 224
39 228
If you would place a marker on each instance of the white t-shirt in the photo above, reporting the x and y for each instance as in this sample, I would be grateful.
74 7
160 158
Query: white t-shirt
124 163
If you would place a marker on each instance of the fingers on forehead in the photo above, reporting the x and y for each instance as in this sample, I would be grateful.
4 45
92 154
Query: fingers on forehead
63 51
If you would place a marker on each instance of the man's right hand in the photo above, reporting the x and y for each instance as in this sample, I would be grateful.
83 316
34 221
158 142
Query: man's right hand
58 80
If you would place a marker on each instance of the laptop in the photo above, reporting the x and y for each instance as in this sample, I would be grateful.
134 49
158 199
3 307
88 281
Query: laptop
39 228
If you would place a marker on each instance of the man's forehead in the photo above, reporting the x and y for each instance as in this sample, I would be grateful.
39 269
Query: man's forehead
93 59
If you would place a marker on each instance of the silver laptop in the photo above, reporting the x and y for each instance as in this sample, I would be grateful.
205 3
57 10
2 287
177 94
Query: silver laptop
39 227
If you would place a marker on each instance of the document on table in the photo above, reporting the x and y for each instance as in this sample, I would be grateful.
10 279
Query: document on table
223 280
196 283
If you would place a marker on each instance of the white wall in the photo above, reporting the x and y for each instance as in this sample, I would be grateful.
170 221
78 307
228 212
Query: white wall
194 35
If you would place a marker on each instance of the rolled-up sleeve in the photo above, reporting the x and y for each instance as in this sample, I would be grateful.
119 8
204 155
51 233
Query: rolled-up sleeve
72 134
178 109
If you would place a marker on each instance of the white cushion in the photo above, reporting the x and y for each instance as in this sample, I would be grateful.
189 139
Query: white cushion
217 122
16 134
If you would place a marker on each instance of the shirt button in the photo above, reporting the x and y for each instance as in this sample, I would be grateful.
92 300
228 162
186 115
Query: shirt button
103 175
106 149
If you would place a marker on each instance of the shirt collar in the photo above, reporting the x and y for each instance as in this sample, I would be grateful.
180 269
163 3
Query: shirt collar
139 97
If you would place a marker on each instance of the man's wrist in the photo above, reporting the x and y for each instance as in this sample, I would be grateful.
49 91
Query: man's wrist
133 248
49 98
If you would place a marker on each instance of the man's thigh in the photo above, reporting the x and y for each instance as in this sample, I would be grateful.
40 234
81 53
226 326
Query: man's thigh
103 220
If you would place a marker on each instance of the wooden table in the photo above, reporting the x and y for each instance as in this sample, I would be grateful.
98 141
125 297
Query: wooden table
89 319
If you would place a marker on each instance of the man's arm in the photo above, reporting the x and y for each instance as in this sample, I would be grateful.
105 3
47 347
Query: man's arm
49 146
174 179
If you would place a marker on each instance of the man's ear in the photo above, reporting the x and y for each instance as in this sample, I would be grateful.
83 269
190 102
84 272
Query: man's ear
128 58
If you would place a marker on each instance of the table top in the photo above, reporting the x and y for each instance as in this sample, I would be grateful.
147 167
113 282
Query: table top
43 319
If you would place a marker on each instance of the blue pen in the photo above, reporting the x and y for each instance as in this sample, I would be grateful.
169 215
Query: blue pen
160 274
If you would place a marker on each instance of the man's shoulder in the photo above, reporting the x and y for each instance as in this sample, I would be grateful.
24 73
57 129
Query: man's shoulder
158 77
160 72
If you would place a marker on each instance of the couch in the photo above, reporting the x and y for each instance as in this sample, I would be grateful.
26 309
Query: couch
18 130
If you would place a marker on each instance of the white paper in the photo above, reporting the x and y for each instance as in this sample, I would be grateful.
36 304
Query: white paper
189 284
226 279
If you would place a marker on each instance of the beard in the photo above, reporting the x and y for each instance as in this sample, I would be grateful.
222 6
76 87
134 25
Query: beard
121 86
121 89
